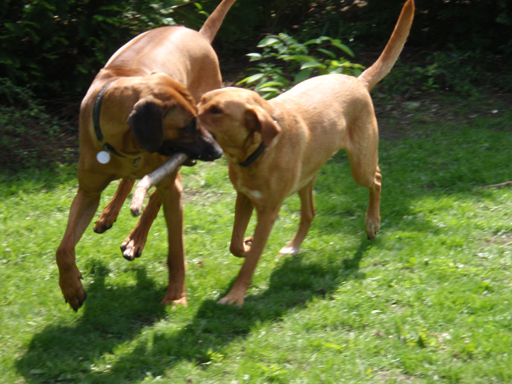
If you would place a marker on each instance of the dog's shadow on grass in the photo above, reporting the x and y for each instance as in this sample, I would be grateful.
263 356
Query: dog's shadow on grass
111 316
114 317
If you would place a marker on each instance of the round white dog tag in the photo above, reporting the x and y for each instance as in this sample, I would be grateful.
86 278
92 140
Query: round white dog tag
103 157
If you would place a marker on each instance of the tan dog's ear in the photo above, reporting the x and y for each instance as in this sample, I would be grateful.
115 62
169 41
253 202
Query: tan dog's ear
257 119
146 124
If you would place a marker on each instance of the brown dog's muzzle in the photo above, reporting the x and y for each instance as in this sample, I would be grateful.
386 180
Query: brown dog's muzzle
195 143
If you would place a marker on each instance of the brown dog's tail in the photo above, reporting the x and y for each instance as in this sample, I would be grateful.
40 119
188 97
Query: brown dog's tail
388 57
213 23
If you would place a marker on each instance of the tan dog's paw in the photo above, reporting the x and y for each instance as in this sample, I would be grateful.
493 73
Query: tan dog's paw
131 249
175 303
289 250
233 298
176 296
372 227
71 287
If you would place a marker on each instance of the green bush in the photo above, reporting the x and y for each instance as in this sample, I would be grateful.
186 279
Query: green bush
458 72
56 46
285 62
29 136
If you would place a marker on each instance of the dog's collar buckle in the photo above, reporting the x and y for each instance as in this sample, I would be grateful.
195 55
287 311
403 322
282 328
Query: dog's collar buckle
252 158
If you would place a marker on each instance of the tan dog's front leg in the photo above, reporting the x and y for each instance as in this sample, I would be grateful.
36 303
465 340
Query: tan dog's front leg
171 193
243 211
266 219
109 214
133 245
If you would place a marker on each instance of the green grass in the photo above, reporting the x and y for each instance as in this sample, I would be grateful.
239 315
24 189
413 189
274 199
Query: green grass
429 300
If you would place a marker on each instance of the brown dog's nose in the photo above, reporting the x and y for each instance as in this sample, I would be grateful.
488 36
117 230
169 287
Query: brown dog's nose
212 152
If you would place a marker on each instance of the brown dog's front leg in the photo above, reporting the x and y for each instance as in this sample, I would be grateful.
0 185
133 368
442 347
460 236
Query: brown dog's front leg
266 219
243 211
133 245
81 213
171 192
109 214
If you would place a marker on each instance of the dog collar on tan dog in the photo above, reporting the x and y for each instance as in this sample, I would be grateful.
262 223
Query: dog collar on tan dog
252 158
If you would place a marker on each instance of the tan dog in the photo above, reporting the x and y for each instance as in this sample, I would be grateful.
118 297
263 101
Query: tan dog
276 148
141 108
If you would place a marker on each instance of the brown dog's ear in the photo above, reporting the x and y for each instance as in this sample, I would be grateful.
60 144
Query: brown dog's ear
146 124
259 120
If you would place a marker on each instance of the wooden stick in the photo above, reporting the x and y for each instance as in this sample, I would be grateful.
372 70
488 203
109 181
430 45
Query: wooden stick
154 178
501 185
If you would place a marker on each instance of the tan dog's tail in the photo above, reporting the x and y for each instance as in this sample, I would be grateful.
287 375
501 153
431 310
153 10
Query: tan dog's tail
213 23
388 57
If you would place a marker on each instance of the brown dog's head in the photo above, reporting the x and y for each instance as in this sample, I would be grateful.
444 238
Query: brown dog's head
163 120
239 119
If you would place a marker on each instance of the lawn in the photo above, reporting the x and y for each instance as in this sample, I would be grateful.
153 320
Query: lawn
429 300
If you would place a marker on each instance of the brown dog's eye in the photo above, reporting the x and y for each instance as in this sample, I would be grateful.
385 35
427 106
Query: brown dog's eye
215 111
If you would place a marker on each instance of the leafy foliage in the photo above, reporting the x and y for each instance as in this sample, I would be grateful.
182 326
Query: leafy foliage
285 62
463 73
29 136
56 46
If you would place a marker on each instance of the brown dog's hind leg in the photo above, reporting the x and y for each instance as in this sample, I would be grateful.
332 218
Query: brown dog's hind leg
133 245
243 211
170 190
307 213
82 210
109 214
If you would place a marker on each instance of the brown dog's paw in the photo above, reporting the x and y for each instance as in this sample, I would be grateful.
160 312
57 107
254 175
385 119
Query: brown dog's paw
131 249
104 222
241 250
101 227
72 290
247 244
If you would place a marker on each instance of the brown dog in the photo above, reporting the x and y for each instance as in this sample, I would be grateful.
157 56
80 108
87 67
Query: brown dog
276 148
141 108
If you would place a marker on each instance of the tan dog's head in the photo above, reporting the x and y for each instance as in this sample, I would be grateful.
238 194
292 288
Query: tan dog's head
163 120
239 119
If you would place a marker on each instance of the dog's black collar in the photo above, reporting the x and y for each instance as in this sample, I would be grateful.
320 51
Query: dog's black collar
252 158
96 121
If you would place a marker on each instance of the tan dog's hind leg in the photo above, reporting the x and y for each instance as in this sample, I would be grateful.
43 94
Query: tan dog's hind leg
243 211
365 171
373 213
170 191
82 210
133 245
266 218
307 213
111 211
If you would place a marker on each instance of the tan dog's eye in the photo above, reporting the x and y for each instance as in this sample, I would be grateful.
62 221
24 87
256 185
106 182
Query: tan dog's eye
215 111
